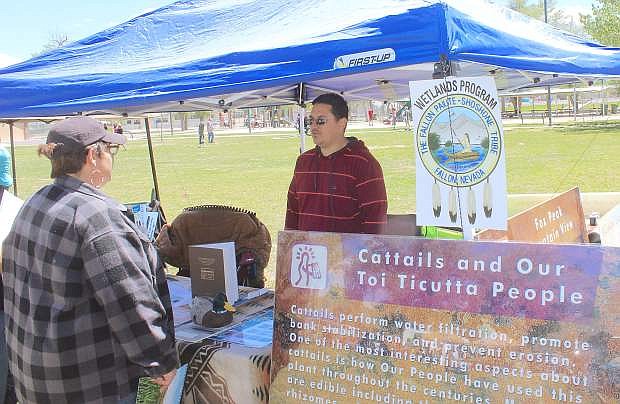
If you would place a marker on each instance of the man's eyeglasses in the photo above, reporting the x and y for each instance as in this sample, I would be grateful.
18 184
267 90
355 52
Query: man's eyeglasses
320 121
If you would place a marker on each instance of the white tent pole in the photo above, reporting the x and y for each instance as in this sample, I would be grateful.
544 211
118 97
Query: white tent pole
575 102
548 87
602 99
161 126
12 139
301 102
250 120
302 128
549 103
468 231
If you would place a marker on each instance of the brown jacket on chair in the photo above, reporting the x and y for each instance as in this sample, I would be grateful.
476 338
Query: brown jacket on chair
215 224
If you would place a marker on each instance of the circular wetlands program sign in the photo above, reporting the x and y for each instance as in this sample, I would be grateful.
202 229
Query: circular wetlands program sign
451 154
460 152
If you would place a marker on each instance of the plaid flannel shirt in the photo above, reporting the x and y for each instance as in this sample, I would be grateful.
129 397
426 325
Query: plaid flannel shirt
87 305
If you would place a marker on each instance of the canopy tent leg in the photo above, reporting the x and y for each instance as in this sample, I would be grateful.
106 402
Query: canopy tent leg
250 120
300 95
13 158
302 128
153 170
574 102
468 231
161 126
548 87
549 104
604 110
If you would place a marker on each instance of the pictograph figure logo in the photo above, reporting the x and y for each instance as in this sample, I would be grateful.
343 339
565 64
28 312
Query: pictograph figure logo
309 266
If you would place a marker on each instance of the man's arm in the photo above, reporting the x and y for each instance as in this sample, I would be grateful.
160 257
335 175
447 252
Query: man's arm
372 198
291 221
124 285
292 207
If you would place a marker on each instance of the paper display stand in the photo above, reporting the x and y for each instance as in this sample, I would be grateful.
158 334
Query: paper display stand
149 220
213 270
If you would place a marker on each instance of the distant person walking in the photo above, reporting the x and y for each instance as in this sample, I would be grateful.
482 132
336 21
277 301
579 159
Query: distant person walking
393 116
407 115
210 132
201 133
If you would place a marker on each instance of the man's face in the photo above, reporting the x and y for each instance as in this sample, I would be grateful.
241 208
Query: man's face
326 129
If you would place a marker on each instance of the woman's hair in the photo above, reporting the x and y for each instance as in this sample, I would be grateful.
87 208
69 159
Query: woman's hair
67 160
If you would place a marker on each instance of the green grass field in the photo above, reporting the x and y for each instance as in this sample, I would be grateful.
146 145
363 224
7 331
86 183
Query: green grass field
254 172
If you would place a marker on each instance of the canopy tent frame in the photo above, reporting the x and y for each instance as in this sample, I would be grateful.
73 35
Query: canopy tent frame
199 55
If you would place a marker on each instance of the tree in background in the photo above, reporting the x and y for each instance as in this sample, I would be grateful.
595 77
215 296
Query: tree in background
56 40
604 22
535 10
555 16
183 117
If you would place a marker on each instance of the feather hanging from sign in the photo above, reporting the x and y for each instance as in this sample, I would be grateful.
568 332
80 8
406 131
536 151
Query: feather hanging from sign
452 205
436 194
488 199
471 206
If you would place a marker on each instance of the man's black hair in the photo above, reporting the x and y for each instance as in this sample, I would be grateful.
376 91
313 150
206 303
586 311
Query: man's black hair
340 109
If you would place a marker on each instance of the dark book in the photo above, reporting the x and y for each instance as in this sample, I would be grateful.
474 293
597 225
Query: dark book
213 269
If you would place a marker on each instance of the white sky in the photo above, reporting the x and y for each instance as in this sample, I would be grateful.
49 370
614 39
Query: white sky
28 25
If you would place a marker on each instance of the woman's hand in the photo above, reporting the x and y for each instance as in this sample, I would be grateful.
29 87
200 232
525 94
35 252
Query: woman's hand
165 380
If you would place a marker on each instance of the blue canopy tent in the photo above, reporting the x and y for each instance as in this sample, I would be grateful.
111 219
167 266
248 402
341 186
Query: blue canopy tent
241 53
204 54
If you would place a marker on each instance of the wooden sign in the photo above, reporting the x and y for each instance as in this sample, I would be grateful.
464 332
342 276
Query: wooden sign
384 319
558 220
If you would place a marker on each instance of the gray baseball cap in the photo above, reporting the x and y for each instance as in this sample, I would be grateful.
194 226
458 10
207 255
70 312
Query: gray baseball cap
81 131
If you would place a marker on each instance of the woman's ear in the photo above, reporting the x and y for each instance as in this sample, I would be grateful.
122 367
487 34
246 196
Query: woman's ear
91 157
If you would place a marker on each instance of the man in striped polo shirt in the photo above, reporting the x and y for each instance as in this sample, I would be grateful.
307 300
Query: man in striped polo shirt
337 186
